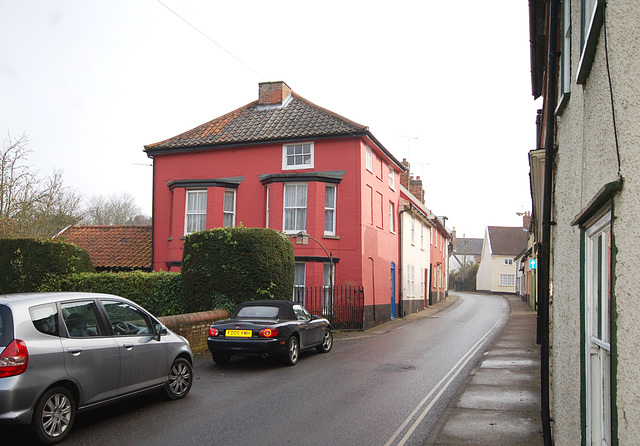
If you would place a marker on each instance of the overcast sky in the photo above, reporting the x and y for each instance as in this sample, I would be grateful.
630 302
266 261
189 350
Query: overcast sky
444 84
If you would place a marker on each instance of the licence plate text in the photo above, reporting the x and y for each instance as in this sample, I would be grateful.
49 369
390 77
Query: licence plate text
238 333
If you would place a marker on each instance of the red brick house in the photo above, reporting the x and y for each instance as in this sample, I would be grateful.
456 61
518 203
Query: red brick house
285 163
112 248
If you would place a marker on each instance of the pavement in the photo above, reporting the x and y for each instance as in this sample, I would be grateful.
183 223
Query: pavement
499 402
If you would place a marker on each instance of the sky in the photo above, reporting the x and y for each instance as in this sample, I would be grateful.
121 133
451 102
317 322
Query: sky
445 85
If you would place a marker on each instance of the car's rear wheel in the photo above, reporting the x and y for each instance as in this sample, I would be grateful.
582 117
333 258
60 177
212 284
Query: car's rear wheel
179 379
293 351
54 414
327 342
221 358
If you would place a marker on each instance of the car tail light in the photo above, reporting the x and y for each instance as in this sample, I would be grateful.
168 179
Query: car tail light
268 333
213 331
14 360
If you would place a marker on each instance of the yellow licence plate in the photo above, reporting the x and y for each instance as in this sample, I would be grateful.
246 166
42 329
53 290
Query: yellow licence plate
238 333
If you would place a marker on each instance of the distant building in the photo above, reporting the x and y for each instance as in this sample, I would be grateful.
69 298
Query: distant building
498 267
465 251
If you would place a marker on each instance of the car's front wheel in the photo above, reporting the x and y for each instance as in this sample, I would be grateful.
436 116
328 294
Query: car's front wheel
179 379
54 414
293 351
327 342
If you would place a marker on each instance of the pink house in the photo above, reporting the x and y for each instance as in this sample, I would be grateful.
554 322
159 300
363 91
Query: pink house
285 163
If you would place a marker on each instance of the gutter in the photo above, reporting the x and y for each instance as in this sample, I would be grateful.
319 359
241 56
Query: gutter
545 255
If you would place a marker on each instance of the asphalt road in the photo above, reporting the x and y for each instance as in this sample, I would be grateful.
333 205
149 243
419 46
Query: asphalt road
383 388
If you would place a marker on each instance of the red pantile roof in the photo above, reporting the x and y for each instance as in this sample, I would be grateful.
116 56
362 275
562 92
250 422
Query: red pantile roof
112 247
257 123
294 119
507 241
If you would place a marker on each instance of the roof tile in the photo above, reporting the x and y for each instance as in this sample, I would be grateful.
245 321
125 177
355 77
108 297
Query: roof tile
112 246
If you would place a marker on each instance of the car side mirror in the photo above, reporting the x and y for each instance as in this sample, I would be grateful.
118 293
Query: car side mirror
314 317
159 331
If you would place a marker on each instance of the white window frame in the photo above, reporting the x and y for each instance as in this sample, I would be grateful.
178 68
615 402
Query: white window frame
307 159
197 212
564 82
413 281
508 261
299 282
392 178
266 223
330 210
507 279
421 236
597 331
327 275
300 218
392 213
413 230
229 213
422 273
369 158
591 20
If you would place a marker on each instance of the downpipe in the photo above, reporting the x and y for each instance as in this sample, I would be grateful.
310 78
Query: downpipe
544 277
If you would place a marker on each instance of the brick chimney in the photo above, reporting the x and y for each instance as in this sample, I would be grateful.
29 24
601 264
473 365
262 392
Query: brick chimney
415 187
526 220
454 240
404 176
273 93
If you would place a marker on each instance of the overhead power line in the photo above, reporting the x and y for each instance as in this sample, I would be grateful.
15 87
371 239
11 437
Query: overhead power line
213 41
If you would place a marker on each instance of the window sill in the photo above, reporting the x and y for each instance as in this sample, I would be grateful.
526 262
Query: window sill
331 237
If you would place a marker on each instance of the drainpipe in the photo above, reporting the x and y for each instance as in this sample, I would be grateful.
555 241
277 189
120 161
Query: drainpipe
544 276
401 262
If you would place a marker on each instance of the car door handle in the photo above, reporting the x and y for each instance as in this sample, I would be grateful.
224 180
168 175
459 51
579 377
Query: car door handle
128 345
75 351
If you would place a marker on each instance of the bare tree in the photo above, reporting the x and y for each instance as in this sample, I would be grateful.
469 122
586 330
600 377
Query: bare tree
29 205
117 209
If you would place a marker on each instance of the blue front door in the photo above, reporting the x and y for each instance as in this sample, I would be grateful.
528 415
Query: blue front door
393 290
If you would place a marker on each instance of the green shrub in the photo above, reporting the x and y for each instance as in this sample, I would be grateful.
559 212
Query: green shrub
158 292
25 263
230 265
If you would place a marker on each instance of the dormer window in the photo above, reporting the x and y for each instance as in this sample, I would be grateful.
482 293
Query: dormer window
297 156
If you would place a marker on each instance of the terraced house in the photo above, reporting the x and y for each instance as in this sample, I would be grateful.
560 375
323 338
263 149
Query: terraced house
285 163
584 181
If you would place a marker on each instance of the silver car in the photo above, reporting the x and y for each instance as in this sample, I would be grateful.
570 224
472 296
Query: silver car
61 353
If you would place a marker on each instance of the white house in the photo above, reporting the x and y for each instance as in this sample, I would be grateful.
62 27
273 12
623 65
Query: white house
498 269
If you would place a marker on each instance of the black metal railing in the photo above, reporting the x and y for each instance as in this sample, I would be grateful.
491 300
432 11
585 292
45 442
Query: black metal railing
344 307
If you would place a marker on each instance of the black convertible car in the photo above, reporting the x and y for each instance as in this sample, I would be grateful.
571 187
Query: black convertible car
269 327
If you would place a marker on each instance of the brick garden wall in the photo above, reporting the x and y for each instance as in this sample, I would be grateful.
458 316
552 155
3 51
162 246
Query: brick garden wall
194 326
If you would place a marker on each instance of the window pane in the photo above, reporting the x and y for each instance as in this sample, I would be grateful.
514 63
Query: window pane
328 220
229 201
81 319
127 320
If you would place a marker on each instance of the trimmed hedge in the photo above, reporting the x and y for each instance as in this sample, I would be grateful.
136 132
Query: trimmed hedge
25 263
158 292
225 266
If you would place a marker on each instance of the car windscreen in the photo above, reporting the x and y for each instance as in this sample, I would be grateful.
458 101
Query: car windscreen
258 312
6 326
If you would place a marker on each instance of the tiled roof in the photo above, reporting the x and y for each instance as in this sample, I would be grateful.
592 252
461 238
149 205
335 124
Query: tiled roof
507 241
114 247
296 118
473 246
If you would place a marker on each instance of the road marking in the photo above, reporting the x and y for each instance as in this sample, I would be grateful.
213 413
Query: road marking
449 377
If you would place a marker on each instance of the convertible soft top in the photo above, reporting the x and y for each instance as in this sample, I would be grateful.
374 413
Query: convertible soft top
285 307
